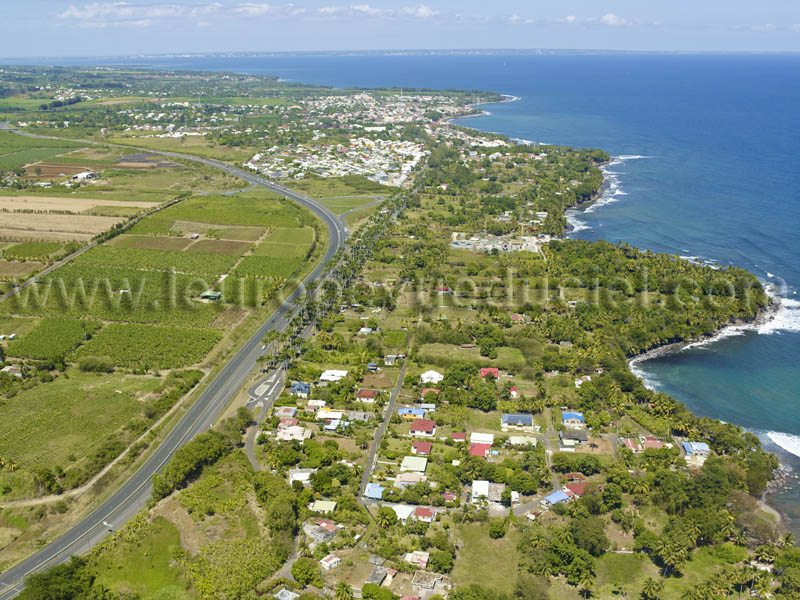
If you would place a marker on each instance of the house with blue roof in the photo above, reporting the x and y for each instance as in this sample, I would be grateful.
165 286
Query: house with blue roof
556 497
374 491
300 389
518 422
411 414
696 448
573 419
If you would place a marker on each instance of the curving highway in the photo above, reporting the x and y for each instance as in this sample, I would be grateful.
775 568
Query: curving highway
132 496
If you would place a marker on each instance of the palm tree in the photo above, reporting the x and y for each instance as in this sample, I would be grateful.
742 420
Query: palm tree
764 586
586 582
343 591
691 593
543 569
383 519
564 536
651 589
765 553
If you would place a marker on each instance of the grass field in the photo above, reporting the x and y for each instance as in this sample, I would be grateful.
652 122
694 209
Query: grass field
147 566
36 250
195 145
484 561
18 270
349 185
445 354
69 416
343 204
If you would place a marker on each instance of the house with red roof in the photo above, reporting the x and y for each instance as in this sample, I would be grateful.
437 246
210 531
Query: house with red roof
423 428
367 396
514 392
651 443
633 445
424 514
481 450
421 448
459 436
576 488
493 371
426 391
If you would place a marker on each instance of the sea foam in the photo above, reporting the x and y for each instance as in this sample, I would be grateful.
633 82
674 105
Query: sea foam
787 441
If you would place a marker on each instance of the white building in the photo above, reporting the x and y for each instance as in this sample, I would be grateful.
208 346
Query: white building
431 377
332 375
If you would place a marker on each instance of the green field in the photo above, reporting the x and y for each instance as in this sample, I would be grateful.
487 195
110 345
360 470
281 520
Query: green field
150 346
146 566
484 561
69 416
267 267
51 338
446 354
16 150
261 209
36 250
349 185
206 265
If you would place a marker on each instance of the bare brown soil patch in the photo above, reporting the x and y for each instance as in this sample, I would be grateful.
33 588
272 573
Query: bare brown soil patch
245 234
50 170
18 269
383 379
219 247
54 203
35 226
230 318
192 538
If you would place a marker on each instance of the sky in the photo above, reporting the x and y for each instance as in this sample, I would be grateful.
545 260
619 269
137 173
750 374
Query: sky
124 27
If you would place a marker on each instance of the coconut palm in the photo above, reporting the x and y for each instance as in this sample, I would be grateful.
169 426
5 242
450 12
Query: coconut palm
691 593
765 553
564 535
383 519
763 586
651 589
343 591
586 583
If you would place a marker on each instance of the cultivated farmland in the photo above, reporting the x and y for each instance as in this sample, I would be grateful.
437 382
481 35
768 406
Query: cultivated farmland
150 346
51 338
49 227
62 204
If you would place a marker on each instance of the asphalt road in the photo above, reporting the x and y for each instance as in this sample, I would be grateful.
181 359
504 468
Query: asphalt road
376 443
132 496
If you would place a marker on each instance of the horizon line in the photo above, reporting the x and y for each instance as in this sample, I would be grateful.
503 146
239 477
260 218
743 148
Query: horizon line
387 52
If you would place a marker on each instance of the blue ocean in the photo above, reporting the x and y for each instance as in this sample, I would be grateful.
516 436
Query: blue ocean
707 168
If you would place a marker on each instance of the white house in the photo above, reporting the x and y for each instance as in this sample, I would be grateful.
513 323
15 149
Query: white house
330 562
431 377
301 475
332 375
481 438
416 464
293 433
